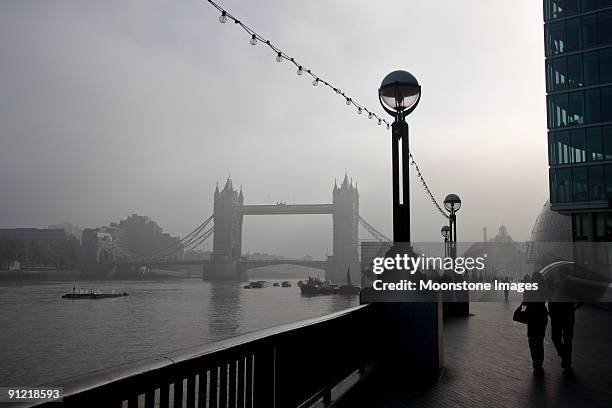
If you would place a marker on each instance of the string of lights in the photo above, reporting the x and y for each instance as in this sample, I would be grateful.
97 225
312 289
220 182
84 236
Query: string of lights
281 56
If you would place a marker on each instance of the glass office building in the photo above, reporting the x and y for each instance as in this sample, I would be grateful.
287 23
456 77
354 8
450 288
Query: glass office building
578 47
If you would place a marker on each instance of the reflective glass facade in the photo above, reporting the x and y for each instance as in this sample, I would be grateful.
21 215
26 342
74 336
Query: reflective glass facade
578 48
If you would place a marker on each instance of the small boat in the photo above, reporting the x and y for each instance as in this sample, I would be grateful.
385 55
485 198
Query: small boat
349 288
286 284
92 294
255 285
315 286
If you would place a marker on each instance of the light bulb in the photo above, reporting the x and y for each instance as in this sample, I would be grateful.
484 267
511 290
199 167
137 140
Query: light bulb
379 122
359 111
315 82
279 57
337 91
348 101
387 126
300 71
223 17
369 115
253 39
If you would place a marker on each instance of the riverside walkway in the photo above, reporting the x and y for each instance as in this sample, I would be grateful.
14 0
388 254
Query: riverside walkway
487 364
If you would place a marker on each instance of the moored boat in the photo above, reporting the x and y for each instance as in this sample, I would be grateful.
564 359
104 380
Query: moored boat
349 288
315 286
255 285
92 294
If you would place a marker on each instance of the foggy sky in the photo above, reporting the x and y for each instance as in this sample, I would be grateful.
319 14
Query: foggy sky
118 107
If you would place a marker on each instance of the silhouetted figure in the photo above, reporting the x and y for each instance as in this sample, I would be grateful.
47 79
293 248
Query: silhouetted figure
506 290
562 320
537 320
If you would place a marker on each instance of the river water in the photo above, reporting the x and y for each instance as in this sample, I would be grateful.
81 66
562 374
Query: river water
45 338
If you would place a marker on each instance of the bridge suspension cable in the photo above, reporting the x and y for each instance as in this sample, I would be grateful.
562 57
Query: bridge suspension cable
185 241
199 242
373 231
317 79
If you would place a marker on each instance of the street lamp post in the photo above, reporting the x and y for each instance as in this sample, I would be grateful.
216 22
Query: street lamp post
445 231
452 203
399 94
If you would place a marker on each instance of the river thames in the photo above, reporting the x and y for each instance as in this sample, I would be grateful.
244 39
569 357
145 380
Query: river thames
46 338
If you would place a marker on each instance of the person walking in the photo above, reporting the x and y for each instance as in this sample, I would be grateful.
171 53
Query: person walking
506 290
562 319
537 320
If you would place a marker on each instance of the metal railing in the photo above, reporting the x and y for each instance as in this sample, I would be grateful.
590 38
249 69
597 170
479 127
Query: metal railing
292 365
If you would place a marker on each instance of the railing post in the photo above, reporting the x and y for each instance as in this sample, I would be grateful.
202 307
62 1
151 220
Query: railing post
164 396
202 388
178 393
240 390
150 399
249 381
191 392
265 381
213 387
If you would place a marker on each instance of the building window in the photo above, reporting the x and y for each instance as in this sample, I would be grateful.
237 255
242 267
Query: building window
555 38
572 34
554 9
596 183
563 148
589 31
592 105
580 189
552 157
580 225
588 5
578 149
564 185
560 110
605 27
590 68
594 144
552 181
557 70
550 111
608 181
574 71
572 7
606 134
576 109
606 104
603 227
605 65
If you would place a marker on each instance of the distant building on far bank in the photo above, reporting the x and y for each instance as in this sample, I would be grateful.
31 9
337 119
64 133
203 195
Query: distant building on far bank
136 236
504 256
37 247
69 229
33 234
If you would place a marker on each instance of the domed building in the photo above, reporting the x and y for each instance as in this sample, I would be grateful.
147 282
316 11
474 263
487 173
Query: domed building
551 239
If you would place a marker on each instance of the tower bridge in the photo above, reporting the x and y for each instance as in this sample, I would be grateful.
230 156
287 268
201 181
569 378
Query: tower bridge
229 211
111 250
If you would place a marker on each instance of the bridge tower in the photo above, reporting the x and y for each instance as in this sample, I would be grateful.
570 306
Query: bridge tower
345 233
227 241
